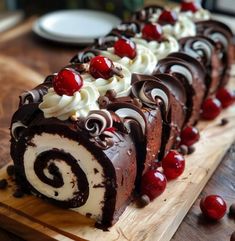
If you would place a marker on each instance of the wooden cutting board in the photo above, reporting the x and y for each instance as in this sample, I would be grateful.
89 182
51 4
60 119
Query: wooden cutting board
34 219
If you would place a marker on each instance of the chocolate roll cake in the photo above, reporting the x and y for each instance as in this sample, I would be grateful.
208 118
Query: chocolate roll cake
205 51
85 138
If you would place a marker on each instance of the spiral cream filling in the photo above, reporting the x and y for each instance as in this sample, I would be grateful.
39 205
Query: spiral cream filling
63 107
144 62
85 160
121 84
160 49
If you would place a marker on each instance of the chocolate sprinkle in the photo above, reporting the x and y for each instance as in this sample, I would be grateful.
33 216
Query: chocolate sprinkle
232 210
191 149
144 201
223 122
3 184
183 149
18 193
11 170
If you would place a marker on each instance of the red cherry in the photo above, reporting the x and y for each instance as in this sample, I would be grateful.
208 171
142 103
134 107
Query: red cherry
125 47
153 184
189 135
152 31
173 164
211 108
213 207
67 81
226 97
101 67
189 6
167 16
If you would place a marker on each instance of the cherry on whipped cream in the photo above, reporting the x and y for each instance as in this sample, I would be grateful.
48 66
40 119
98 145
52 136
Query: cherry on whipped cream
153 184
67 81
189 6
125 48
173 164
211 108
213 207
152 31
167 17
226 97
101 67
189 135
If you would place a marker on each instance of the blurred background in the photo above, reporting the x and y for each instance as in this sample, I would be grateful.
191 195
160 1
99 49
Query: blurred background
15 9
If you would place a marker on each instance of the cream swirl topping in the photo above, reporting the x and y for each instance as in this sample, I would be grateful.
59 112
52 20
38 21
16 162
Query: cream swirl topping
184 26
120 84
144 62
160 49
63 107
199 15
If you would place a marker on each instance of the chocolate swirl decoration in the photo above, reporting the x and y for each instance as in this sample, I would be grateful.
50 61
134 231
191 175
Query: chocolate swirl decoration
222 35
127 28
151 93
35 95
105 42
84 56
145 13
97 121
204 50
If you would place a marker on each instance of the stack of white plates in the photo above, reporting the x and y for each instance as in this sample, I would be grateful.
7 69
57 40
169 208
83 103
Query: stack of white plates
75 26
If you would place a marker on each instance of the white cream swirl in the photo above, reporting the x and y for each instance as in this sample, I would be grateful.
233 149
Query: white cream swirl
144 62
160 49
63 107
200 15
184 26
121 84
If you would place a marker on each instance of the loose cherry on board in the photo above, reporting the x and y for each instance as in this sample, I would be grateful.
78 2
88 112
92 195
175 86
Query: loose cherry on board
125 47
152 31
213 207
189 135
101 67
167 16
67 81
211 108
153 184
173 164
189 6
226 97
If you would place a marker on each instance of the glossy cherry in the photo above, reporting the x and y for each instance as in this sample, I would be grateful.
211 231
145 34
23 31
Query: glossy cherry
167 17
211 108
213 207
226 97
189 135
101 67
189 6
152 31
173 164
153 184
67 81
125 47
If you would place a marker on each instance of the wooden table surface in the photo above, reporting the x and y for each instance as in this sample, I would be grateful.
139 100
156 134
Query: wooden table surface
45 58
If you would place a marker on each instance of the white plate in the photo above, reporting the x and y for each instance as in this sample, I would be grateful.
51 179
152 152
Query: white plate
75 26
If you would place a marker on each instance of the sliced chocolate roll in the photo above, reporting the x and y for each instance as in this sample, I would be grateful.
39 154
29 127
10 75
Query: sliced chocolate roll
85 164
205 51
152 91
222 36
191 73
144 125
